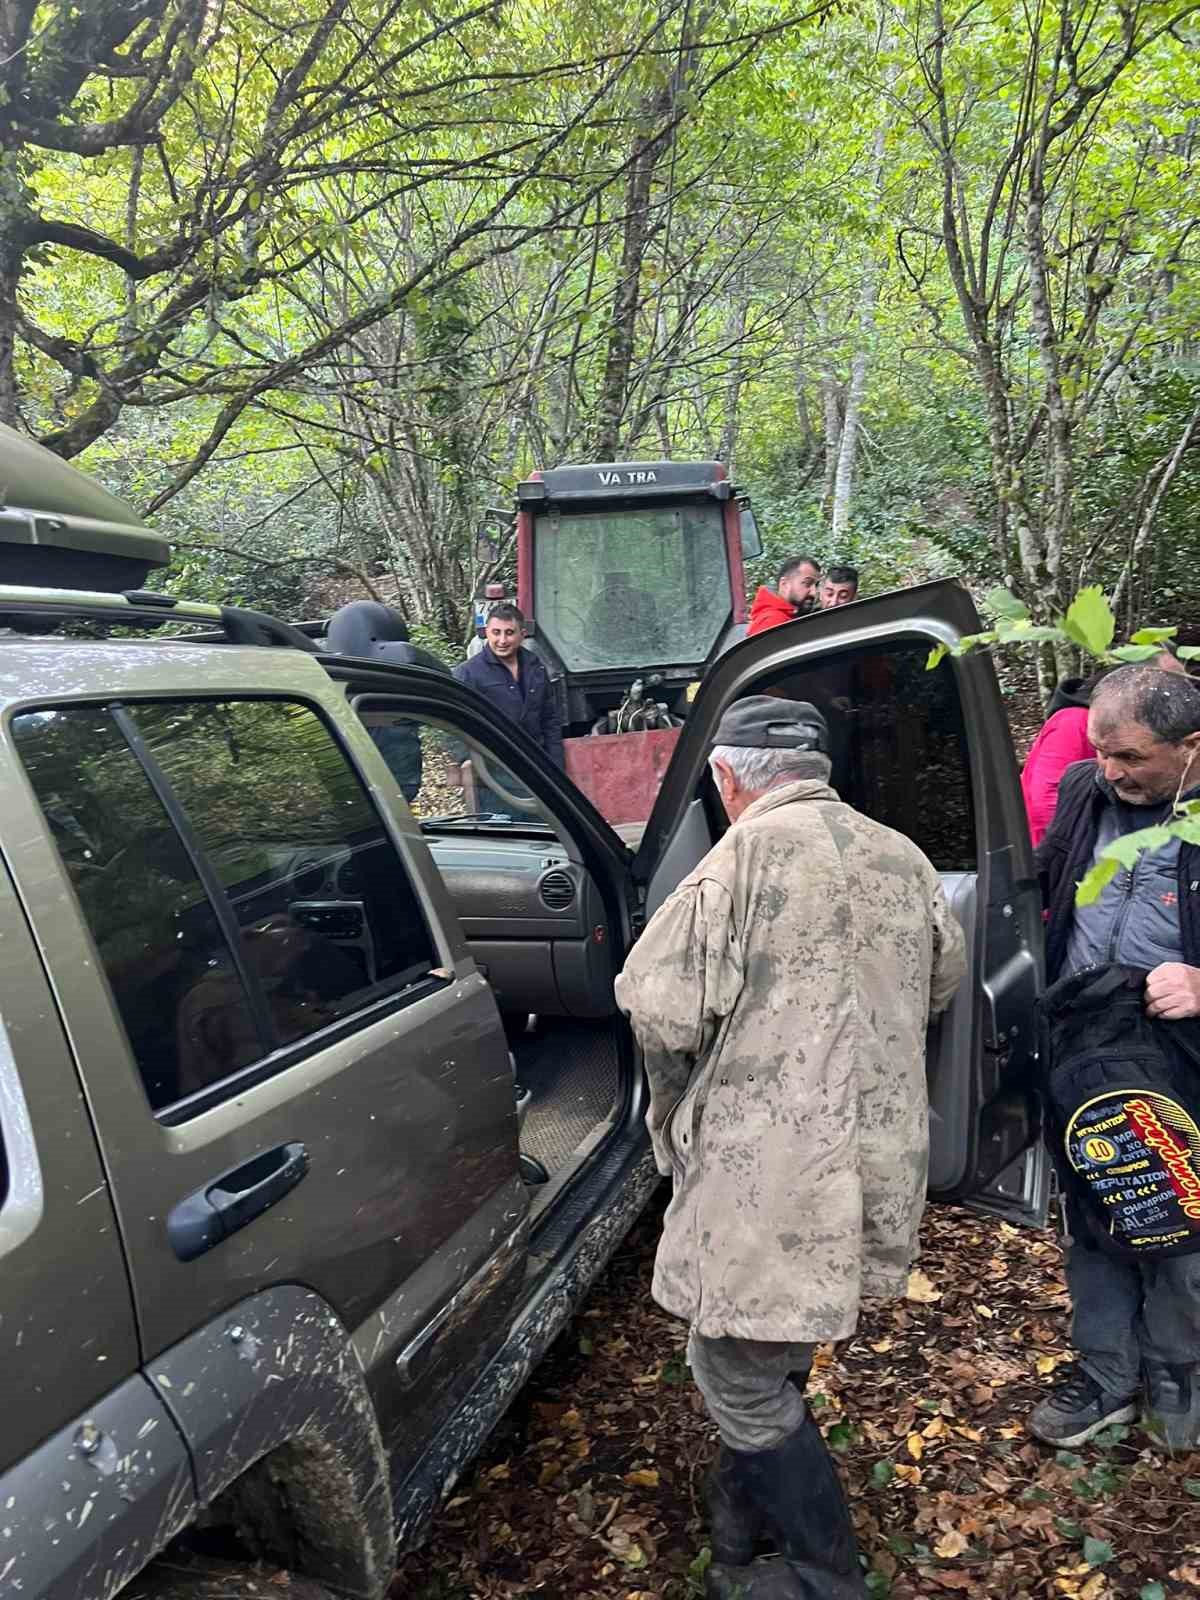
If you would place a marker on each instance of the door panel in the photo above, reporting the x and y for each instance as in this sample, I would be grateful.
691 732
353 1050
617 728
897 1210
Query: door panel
66 1314
928 753
541 888
390 1072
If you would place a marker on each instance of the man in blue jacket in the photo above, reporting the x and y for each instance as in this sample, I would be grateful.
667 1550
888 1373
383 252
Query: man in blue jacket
515 681
1135 1326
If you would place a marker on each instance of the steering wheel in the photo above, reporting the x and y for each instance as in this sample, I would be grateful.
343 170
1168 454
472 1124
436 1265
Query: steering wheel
524 803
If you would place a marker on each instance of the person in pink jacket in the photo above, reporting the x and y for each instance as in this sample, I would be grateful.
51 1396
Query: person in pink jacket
1061 741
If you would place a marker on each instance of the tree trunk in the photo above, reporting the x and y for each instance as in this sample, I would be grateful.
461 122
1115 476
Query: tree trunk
727 450
618 360
10 280
847 456
847 453
831 410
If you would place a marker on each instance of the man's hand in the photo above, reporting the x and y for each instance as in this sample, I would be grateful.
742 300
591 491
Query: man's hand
1173 992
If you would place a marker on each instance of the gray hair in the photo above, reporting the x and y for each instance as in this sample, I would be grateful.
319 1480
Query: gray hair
1165 702
758 768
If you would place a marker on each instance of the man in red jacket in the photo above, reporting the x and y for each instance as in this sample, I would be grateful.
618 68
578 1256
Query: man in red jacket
798 580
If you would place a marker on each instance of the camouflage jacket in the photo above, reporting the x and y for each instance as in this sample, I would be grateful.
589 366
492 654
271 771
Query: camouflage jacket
780 997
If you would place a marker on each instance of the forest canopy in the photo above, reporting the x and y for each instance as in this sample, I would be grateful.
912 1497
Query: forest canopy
314 284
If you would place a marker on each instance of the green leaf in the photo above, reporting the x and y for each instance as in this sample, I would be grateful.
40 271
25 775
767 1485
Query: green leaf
1089 620
1096 1551
1025 632
1116 1434
936 656
840 1436
1126 850
1152 1591
1134 652
1188 652
1094 881
974 641
1152 635
879 1585
1002 602
1192 1486
882 1474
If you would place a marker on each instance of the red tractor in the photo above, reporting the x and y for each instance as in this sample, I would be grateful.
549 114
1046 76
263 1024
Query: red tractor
633 574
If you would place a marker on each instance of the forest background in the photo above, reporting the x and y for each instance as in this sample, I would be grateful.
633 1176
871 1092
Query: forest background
314 283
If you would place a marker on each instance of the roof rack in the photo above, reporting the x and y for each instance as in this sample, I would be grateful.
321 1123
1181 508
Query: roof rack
31 610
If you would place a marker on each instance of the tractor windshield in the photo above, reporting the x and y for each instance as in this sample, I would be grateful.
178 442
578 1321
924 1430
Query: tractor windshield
632 588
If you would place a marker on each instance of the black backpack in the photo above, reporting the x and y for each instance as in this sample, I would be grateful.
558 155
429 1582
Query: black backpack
1122 1095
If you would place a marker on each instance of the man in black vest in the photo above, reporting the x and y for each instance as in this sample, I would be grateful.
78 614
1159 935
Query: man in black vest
515 681
1136 1326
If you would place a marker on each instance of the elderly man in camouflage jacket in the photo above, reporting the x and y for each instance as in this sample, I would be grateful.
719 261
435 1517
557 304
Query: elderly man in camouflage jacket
780 997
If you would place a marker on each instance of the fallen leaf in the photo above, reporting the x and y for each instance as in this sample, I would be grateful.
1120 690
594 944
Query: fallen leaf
643 1478
916 1446
920 1289
950 1545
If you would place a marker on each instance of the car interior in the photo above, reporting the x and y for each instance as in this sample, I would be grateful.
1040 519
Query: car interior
537 927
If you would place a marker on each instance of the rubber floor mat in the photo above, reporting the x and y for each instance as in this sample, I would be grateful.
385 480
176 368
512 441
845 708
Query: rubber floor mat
570 1068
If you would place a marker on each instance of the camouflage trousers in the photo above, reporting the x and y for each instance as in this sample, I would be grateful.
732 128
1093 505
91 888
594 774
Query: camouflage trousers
747 1387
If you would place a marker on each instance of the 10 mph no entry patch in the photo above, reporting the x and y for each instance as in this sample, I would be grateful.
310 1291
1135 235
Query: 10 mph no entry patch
1139 1154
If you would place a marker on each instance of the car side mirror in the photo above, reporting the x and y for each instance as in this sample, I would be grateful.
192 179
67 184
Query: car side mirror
486 548
751 538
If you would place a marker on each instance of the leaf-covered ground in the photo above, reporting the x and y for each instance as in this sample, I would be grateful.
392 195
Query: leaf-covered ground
592 1488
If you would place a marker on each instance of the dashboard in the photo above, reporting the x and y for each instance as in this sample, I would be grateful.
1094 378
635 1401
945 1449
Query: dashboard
534 920
535 923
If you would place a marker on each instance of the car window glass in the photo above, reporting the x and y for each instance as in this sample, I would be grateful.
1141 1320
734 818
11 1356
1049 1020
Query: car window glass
898 742
451 779
185 1011
328 918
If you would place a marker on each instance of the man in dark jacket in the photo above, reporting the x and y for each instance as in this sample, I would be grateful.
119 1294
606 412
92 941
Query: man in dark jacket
1136 1327
515 681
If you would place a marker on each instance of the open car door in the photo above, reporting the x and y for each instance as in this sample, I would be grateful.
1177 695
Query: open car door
928 753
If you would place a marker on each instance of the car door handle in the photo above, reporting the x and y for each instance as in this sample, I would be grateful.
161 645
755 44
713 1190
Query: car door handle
229 1202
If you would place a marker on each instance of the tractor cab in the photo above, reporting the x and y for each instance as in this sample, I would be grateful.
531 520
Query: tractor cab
631 570
633 575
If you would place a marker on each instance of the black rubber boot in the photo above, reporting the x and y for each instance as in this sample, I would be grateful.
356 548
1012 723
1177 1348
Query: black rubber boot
778 1579
735 1519
801 1495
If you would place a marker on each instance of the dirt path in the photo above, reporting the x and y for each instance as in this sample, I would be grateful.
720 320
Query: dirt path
592 1488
